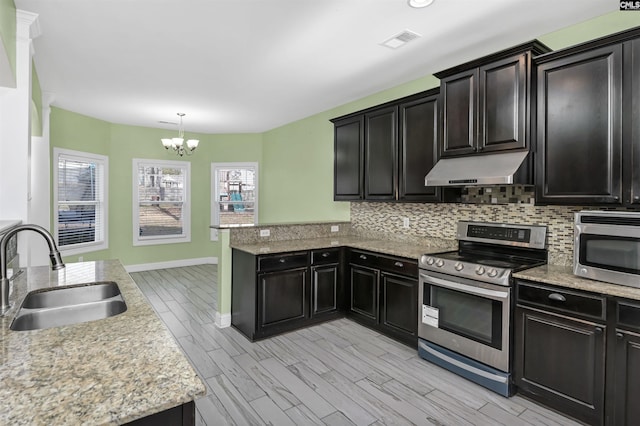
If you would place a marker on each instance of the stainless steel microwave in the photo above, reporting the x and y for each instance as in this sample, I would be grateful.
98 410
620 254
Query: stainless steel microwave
607 246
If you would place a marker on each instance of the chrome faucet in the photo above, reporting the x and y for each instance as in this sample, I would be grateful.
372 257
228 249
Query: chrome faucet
54 255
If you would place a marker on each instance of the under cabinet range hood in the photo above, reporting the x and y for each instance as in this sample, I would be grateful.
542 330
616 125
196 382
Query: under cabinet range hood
490 169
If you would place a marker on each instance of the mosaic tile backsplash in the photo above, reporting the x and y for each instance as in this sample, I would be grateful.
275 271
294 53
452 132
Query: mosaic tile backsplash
439 220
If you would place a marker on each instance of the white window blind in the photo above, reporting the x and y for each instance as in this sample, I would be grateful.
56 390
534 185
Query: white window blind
234 194
161 202
80 201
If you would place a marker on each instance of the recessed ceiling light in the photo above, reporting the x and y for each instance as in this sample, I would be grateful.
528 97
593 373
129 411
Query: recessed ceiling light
420 3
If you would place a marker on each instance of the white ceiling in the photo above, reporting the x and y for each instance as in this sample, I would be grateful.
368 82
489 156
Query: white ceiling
236 66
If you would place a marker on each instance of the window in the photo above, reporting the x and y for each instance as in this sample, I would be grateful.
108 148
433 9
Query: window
234 188
80 201
161 212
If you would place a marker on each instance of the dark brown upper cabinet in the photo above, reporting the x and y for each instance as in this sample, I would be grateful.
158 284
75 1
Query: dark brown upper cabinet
348 169
383 153
486 103
587 131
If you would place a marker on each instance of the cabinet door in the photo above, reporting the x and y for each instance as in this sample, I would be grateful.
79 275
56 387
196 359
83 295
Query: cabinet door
398 306
419 136
503 104
560 362
348 159
627 374
381 147
460 113
283 300
579 133
324 293
363 293
634 122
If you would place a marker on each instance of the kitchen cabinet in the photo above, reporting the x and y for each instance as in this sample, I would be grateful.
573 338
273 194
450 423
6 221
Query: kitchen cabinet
420 131
587 137
626 386
325 280
182 415
383 153
383 294
486 103
348 169
280 292
560 349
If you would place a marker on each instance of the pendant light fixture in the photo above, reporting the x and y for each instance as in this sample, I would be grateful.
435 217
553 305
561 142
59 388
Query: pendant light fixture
178 144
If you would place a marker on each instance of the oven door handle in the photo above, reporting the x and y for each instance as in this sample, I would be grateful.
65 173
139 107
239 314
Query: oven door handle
478 291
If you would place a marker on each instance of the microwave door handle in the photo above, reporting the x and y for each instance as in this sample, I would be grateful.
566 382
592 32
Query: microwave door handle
478 291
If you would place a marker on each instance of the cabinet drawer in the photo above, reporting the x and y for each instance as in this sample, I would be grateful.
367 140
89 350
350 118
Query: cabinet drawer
561 301
395 265
363 258
628 315
283 261
324 256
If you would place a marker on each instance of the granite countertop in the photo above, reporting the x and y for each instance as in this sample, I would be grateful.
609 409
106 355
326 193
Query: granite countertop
394 248
563 276
109 371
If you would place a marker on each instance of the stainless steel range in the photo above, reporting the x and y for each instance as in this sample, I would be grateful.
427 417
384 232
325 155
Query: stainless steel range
465 303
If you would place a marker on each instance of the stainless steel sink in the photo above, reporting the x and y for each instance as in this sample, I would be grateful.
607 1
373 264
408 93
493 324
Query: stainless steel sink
69 305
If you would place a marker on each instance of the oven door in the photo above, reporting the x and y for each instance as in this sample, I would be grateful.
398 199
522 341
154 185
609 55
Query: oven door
469 317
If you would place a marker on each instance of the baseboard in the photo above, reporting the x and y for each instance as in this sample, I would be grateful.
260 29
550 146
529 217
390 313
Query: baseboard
172 264
223 320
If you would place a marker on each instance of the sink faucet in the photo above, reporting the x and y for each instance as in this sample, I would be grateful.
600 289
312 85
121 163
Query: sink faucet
54 254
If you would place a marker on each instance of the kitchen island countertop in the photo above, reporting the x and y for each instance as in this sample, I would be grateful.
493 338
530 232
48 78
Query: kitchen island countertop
563 276
405 249
109 371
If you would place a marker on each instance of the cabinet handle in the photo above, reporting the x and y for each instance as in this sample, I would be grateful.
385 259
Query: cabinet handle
363 257
619 335
636 198
399 264
598 330
616 198
282 260
325 254
557 297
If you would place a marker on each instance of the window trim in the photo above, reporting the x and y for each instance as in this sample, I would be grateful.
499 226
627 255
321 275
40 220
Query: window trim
102 244
185 237
215 208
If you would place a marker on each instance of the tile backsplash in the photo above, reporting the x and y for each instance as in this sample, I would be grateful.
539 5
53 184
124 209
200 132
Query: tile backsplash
439 220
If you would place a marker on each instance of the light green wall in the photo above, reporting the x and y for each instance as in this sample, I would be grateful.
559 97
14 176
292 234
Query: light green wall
122 144
8 30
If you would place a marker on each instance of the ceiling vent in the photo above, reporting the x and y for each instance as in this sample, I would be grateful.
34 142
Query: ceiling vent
400 39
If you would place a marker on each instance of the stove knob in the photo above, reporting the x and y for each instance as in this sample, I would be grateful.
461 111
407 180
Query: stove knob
492 273
440 263
430 260
458 266
480 270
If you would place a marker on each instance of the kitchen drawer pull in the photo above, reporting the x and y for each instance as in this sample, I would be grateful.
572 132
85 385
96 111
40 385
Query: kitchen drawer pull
619 335
325 254
282 260
363 257
557 297
598 330
399 264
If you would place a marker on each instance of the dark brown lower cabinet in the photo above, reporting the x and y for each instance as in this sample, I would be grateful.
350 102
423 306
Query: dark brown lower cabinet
182 415
560 361
324 292
627 378
282 299
383 294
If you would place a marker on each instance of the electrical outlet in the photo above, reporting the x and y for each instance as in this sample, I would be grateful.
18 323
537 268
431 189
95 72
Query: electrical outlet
335 228
80 259
265 232
405 222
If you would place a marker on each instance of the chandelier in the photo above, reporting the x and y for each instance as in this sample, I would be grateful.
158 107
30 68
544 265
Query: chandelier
178 144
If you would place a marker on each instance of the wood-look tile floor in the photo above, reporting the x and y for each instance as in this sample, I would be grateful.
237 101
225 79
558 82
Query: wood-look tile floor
336 373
